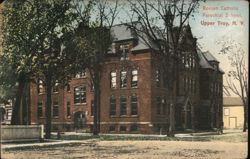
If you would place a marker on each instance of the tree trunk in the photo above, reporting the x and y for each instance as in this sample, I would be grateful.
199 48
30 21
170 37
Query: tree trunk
96 102
48 105
28 105
15 118
25 106
245 118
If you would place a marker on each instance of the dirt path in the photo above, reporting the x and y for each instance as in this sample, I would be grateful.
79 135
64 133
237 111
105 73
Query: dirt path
136 149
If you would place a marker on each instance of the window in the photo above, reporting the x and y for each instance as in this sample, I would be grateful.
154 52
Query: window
80 95
133 128
226 111
164 106
56 86
124 50
183 59
158 78
68 109
55 111
112 128
112 109
191 85
158 105
134 78
123 103
134 109
40 109
113 80
123 80
193 61
92 108
184 83
81 74
92 86
195 86
187 61
40 87
122 128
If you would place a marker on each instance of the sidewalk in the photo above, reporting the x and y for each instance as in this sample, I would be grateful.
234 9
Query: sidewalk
45 143
53 142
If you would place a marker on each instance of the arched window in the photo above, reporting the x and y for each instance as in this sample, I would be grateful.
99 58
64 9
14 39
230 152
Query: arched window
123 79
134 78
113 79
80 95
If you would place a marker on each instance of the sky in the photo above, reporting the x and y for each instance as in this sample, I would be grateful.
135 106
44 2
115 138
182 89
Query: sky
217 20
208 35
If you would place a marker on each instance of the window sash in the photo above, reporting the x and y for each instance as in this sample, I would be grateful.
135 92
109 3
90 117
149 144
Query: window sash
158 105
55 112
134 106
113 79
40 109
112 110
157 78
123 102
80 95
123 79
134 79
68 109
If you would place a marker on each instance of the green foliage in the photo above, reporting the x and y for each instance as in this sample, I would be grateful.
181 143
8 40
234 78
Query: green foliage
7 82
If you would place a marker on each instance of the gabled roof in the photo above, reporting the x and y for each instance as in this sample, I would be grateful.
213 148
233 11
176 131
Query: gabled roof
202 60
205 59
121 32
209 56
232 101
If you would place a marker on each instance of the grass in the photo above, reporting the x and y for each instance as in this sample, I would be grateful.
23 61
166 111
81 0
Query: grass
72 137
231 138
225 138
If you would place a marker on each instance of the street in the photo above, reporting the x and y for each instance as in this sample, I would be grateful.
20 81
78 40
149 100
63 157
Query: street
139 149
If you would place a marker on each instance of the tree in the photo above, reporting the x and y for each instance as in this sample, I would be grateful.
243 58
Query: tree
7 82
237 76
35 47
92 40
18 52
161 25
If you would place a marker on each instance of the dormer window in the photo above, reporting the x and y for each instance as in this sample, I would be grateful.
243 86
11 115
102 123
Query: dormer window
81 74
56 86
124 51
40 87
113 48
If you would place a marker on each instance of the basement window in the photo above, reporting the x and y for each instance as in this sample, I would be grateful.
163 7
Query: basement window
112 128
134 128
123 128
